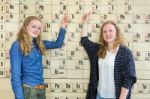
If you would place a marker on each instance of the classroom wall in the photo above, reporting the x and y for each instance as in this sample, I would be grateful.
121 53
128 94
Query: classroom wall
66 70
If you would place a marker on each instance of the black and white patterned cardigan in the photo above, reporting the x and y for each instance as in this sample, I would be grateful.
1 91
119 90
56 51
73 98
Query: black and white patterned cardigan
124 69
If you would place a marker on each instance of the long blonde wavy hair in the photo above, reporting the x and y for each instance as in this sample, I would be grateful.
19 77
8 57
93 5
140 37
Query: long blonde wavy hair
104 46
25 39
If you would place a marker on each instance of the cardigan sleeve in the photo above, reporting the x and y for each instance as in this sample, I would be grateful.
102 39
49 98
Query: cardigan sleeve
129 72
89 46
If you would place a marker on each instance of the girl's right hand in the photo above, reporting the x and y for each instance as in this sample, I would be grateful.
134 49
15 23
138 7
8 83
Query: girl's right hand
85 18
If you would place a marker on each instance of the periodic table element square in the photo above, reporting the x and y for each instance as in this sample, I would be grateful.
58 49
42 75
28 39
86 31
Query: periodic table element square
125 28
67 87
141 46
55 9
22 16
139 64
2 8
12 26
87 8
58 54
2 64
2 71
8 45
70 64
138 29
12 1
142 2
74 54
2 1
46 73
86 74
140 19
2 18
46 17
59 73
105 17
27 2
44 2
73 46
2 45
73 28
24 8
75 2
2 27
46 26
123 18
139 55
94 36
10 36
76 18
2 36
123 2
77 87
46 36
11 17
12 8
43 8
73 36
95 18
105 2
110 9
143 74
74 73
55 27
121 9
58 2
2 55
141 9
75 9
56 87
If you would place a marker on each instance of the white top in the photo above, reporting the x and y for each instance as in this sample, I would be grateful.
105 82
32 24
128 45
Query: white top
106 86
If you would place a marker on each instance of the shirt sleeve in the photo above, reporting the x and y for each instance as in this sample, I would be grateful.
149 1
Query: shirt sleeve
58 43
129 71
15 61
90 47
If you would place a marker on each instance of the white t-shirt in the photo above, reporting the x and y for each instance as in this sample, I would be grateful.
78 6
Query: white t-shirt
106 86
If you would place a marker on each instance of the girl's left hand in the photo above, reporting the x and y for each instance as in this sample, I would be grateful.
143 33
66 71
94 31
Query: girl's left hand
65 21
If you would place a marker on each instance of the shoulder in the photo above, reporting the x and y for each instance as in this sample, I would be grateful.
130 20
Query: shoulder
125 49
15 44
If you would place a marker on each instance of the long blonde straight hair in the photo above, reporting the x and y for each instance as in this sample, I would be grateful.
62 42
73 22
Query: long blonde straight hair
104 46
25 40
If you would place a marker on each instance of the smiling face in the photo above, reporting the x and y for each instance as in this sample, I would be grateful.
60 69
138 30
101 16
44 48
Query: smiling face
34 28
109 33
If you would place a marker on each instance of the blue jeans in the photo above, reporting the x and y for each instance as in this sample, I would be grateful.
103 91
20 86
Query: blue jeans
32 93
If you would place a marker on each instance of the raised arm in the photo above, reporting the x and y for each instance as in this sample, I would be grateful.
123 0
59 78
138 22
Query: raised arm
88 45
85 20
59 42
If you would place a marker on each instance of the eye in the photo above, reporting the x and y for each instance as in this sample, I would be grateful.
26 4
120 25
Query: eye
111 30
104 31
39 28
33 26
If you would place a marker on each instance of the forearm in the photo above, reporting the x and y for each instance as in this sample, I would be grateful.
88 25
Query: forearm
124 93
84 30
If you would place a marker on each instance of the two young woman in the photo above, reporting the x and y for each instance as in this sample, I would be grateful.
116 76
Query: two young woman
112 70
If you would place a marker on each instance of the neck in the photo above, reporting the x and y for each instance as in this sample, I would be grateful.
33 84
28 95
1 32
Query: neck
110 47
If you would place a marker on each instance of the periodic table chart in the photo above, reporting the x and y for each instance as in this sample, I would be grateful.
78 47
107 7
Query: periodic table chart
66 70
